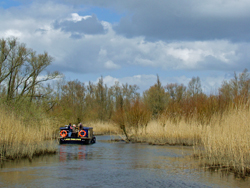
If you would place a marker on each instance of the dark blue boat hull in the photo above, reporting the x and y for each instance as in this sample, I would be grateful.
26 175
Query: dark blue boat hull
77 140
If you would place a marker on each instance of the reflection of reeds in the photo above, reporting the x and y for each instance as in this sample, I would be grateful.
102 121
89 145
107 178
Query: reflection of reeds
19 140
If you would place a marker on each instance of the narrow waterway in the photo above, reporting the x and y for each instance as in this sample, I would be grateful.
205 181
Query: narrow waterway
116 164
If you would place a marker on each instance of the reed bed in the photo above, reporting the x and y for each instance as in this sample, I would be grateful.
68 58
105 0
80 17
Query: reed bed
19 139
171 133
101 128
223 144
226 143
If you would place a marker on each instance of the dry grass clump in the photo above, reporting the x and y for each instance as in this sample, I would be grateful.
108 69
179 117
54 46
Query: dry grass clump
226 144
171 133
24 140
101 128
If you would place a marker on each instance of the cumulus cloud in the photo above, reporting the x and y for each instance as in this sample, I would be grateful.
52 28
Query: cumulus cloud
80 25
160 35
111 65
181 20
100 52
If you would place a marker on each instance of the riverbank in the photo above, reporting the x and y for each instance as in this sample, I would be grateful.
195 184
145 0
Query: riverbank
21 139
154 133
224 143
108 164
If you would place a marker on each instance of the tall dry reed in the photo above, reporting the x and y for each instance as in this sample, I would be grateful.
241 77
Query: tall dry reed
226 143
169 133
104 128
19 139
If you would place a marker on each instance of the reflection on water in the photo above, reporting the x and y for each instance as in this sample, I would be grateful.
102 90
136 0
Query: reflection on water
107 164
75 153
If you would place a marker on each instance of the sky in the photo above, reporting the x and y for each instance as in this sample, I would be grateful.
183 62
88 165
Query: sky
133 41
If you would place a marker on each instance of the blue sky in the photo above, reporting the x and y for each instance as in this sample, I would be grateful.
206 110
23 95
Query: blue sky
134 40
9 4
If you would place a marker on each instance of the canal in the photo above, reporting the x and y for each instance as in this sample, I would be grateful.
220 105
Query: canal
114 164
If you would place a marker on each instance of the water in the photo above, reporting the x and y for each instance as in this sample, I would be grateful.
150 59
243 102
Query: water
118 164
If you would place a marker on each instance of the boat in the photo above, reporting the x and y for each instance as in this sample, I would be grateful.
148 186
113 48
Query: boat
83 136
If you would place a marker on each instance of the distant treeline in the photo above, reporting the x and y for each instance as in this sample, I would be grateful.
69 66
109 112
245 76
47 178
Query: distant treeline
22 83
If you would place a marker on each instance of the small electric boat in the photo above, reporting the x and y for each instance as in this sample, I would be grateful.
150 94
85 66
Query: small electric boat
83 136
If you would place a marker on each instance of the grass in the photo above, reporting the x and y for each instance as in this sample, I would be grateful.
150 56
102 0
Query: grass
19 139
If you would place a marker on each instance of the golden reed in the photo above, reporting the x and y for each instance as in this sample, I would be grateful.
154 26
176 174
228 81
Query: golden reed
101 128
224 143
19 139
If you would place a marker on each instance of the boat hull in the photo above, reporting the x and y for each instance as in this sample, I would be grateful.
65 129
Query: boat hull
76 141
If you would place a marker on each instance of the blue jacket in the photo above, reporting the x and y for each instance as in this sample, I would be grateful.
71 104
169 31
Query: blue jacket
70 128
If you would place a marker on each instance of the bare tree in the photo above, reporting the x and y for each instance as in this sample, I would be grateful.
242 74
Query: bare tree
194 86
175 91
238 87
21 69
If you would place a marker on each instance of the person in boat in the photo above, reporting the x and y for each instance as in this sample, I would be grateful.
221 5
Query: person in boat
74 131
74 128
70 129
80 126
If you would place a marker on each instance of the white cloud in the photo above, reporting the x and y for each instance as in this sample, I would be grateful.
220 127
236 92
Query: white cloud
11 32
76 17
101 53
110 81
111 65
